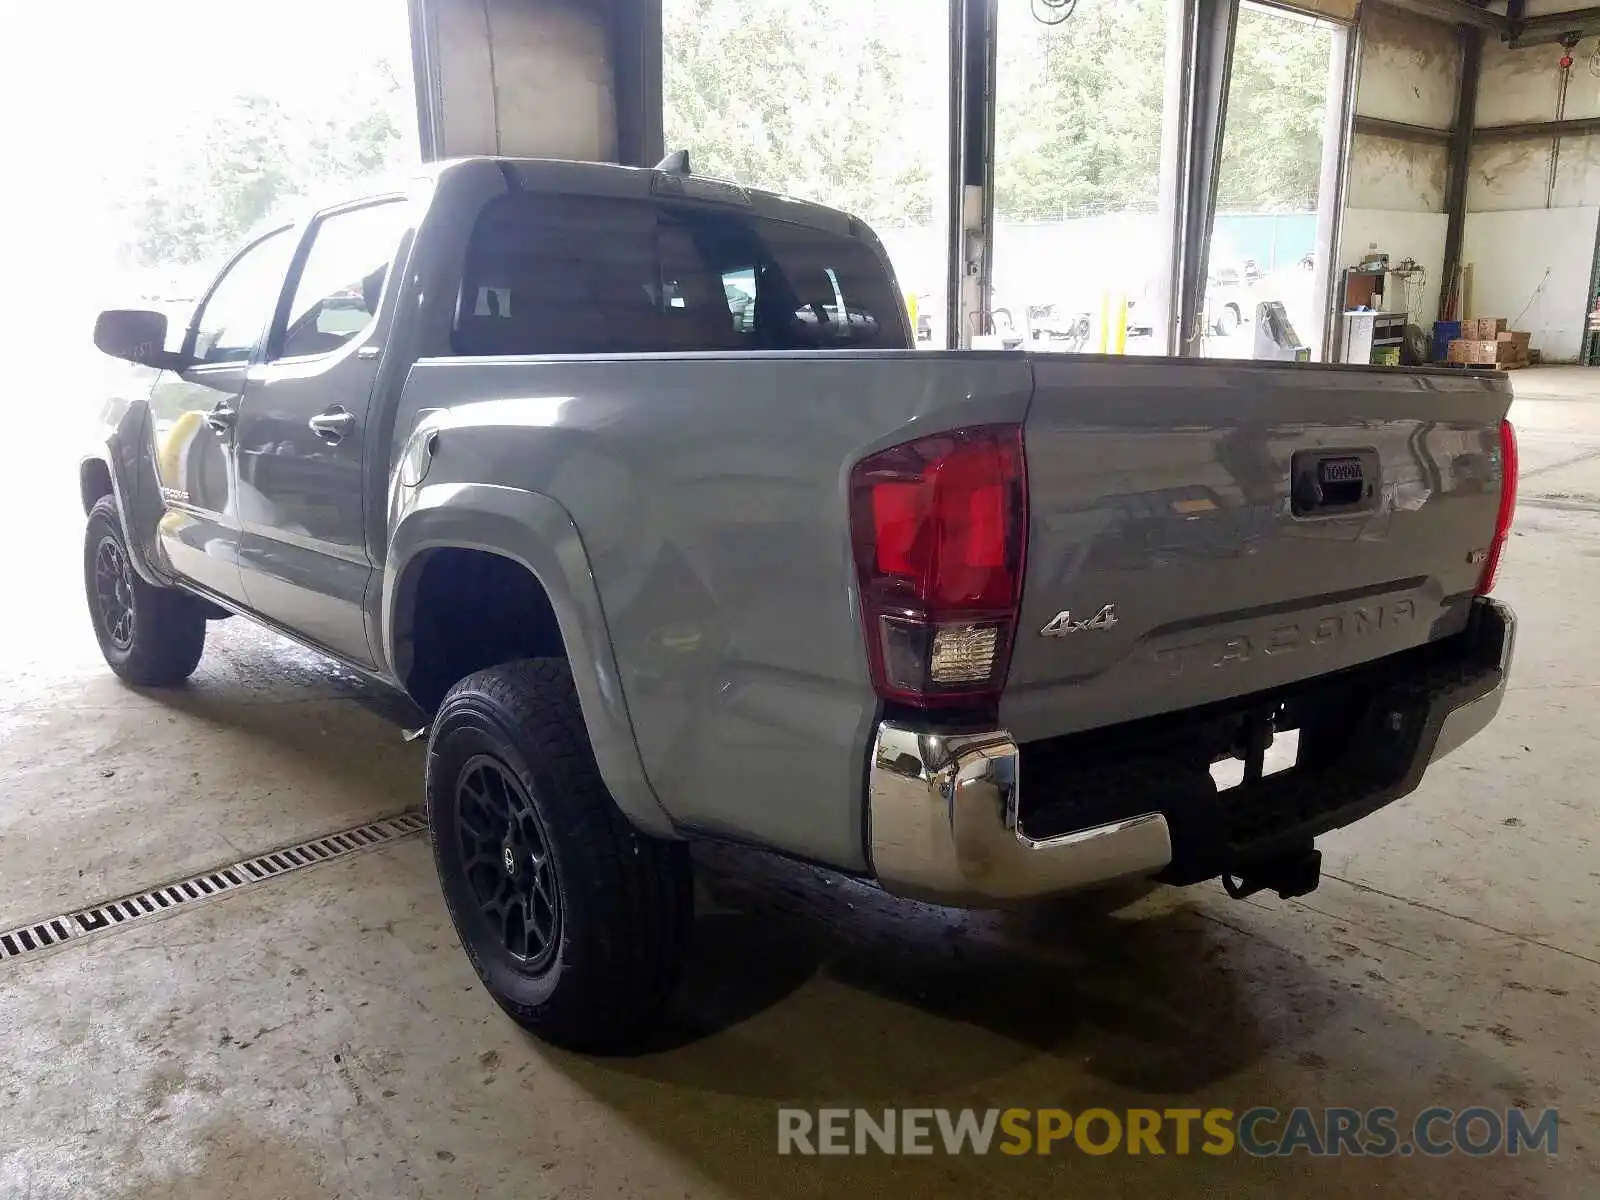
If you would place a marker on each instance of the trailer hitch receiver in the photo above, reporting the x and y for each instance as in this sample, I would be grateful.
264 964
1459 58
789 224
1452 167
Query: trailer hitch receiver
1291 874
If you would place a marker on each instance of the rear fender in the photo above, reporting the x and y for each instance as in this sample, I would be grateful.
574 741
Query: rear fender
536 532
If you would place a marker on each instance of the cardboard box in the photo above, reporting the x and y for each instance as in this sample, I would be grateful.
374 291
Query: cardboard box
1508 352
1483 329
1514 348
1477 352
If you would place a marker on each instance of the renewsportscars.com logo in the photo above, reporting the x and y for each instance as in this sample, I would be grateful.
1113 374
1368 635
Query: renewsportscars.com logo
1261 1132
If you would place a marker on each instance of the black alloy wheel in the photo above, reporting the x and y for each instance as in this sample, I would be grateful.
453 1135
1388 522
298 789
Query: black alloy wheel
506 857
113 592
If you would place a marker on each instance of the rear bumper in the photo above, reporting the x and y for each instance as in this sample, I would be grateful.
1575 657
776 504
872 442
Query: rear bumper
948 822
1465 719
945 825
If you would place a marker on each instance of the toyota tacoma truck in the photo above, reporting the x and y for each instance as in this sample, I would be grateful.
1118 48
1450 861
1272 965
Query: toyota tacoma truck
635 483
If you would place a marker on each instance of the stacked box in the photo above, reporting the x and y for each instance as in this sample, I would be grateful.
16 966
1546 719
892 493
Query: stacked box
1483 329
1507 351
1513 344
1476 352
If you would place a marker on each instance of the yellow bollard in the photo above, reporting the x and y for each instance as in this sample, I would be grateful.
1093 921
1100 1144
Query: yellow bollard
1113 323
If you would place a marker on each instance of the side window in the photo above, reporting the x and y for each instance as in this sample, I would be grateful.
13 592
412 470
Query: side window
339 287
556 274
231 321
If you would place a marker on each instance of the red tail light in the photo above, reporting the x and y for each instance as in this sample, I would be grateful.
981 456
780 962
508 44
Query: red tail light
1508 507
939 526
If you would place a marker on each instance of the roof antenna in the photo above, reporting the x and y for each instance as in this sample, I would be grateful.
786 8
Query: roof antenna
676 163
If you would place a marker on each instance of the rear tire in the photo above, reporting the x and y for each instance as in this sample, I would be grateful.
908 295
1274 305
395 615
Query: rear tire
576 923
150 636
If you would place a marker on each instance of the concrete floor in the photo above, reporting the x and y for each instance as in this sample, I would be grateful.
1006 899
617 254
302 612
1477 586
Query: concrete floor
321 1035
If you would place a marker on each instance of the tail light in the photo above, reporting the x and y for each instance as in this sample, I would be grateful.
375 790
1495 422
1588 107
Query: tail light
938 527
1508 507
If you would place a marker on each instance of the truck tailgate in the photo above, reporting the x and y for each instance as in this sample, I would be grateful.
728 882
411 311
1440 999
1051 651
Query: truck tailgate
1200 531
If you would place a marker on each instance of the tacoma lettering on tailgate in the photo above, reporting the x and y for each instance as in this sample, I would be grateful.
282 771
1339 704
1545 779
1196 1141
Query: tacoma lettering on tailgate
1232 648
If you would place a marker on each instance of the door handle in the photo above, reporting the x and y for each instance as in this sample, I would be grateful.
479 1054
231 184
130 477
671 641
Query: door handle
222 418
333 425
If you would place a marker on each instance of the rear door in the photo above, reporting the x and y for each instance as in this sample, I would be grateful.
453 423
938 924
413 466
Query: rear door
196 413
1203 531
303 432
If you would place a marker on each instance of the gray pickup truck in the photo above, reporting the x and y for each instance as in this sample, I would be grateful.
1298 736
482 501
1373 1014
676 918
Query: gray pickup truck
635 482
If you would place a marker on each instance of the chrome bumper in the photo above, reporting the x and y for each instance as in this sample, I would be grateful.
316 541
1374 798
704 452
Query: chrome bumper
943 826
943 817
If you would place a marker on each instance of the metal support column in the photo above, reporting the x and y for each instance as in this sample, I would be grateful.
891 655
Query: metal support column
533 77
1174 159
425 74
974 25
636 66
1455 205
1333 186
1211 25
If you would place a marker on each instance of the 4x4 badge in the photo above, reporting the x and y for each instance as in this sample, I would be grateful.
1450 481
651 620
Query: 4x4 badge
1062 623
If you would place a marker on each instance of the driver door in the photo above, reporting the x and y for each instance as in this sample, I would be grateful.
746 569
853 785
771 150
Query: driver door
303 432
194 415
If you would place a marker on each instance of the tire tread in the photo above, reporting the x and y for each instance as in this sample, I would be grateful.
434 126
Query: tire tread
169 626
637 888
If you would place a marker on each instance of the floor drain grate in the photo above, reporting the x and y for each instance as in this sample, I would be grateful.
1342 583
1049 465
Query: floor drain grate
41 935
17 942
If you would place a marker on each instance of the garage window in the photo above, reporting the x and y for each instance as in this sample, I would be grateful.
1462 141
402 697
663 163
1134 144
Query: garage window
552 274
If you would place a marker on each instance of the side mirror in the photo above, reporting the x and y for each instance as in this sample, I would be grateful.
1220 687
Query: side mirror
138 336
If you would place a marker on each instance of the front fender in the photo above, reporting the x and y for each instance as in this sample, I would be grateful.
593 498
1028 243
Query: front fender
535 531
137 489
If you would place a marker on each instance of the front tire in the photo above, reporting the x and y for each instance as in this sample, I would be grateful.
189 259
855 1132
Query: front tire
576 923
150 636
